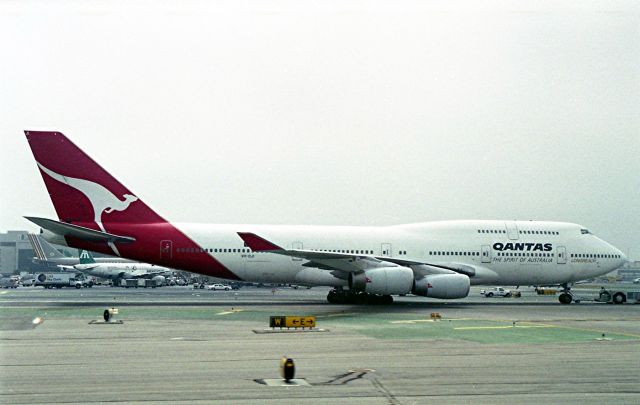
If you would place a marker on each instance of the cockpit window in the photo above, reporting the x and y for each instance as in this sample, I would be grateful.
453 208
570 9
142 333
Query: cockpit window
585 231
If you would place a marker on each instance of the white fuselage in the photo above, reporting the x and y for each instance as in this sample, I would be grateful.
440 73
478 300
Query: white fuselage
500 252
121 270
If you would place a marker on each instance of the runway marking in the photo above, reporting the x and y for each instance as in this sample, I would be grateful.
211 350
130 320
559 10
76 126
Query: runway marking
585 329
503 327
336 314
3 292
233 311
415 321
599 331
411 321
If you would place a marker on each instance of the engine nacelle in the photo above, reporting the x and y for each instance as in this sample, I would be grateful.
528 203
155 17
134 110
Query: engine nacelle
383 280
443 286
159 280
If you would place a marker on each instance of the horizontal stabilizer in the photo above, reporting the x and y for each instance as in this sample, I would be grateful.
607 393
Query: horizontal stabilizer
80 232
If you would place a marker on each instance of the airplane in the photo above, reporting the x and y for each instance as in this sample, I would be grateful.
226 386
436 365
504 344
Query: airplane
368 264
118 271
47 254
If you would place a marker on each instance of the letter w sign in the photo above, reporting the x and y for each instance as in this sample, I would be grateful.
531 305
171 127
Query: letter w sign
277 321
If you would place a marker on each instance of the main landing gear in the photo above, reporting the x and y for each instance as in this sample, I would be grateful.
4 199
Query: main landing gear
566 296
341 296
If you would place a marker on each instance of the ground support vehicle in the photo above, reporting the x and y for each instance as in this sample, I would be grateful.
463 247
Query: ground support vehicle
496 292
129 282
618 296
59 280
219 287
146 283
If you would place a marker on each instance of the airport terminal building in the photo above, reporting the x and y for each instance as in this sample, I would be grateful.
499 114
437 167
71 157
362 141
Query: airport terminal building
16 253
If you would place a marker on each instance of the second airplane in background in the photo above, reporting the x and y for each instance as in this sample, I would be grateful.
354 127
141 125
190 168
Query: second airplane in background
120 271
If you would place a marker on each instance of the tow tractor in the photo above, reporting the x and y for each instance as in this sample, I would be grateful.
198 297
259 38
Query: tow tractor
610 296
618 296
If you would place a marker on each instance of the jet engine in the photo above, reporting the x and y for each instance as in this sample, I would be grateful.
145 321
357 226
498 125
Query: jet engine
160 280
383 280
442 286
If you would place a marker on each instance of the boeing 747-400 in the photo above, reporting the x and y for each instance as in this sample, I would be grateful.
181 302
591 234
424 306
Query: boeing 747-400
363 264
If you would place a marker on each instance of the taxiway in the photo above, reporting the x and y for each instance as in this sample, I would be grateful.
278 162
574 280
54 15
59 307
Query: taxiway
181 345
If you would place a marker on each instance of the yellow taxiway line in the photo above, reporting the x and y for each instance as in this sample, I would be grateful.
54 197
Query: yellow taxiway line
503 327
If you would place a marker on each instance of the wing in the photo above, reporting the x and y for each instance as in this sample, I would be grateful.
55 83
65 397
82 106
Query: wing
145 273
86 267
354 262
324 260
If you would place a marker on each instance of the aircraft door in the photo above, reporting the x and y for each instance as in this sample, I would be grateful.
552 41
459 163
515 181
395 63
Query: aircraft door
385 249
486 254
562 254
512 230
166 250
298 246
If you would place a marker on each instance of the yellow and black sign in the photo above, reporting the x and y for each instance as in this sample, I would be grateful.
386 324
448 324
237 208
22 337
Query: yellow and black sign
292 321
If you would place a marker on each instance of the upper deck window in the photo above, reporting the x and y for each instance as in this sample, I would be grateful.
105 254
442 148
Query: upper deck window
584 231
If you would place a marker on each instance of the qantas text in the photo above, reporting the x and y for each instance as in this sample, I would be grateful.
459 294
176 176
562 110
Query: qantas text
523 247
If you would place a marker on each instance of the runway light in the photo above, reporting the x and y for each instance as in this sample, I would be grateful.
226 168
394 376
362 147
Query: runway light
287 369
109 313
37 320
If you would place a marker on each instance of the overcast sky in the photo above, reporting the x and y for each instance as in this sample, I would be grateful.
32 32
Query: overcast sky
345 112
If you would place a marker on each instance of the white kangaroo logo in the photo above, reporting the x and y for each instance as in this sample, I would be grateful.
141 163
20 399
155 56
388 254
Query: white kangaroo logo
102 200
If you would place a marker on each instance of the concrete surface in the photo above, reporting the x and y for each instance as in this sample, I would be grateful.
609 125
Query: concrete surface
177 345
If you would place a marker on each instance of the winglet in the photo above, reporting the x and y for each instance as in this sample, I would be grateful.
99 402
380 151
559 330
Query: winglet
256 243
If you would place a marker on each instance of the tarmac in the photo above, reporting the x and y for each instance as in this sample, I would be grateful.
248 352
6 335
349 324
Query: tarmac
179 345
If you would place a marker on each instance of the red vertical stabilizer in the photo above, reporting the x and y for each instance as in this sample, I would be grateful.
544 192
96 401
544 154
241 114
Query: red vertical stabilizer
85 194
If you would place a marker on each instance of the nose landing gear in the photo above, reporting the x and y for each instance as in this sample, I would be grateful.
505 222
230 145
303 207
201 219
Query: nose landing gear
566 297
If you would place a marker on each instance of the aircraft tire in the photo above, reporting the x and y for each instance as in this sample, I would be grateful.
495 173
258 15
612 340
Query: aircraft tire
565 298
618 298
387 300
333 298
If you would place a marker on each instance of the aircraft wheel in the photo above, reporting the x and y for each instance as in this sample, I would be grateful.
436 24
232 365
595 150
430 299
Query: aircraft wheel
387 300
619 298
362 298
333 297
565 298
